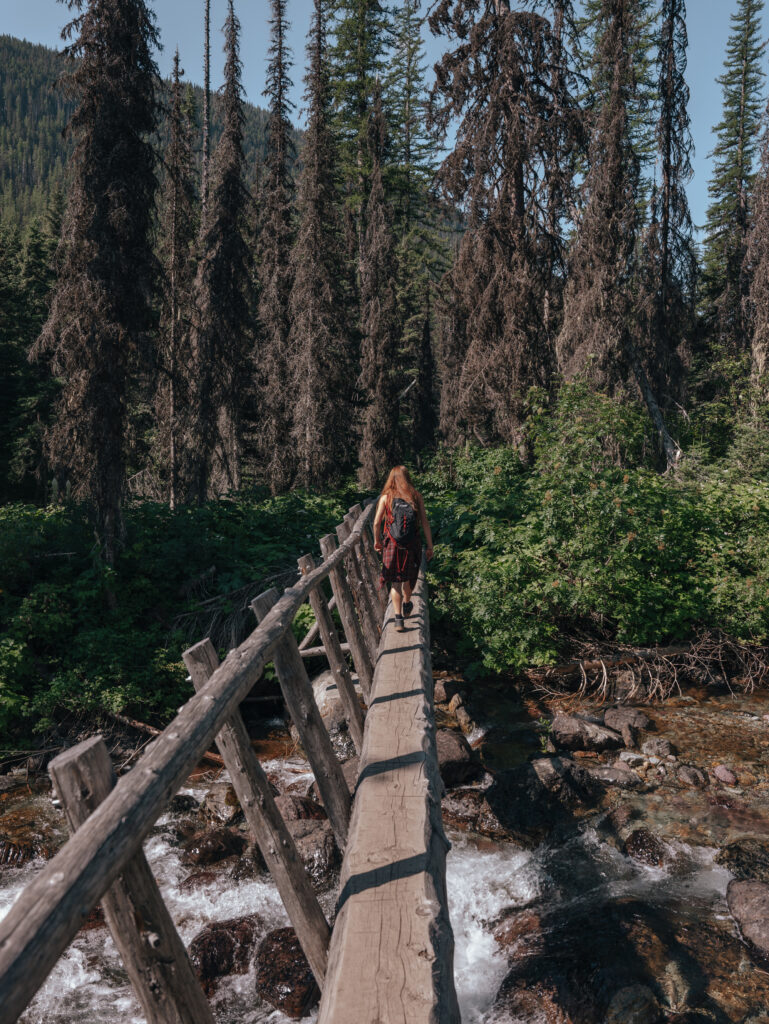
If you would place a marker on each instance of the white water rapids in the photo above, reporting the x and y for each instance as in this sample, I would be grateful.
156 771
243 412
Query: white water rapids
88 983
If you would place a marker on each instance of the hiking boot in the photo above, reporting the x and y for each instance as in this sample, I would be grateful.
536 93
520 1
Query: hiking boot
399 627
408 607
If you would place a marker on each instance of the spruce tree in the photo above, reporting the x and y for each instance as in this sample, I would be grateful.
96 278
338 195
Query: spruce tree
206 157
357 64
318 337
275 244
178 233
221 334
724 286
496 81
101 303
380 376
757 271
670 264
595 341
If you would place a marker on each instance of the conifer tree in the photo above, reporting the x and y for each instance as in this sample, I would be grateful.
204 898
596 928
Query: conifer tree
318 338
757 270
595 340
206 157
102 298
221 334
172 398
275 244
380 326
357 64
496 80
422 417
724 286
668 291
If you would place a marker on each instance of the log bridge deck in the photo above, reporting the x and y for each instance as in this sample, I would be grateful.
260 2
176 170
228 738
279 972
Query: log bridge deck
389 957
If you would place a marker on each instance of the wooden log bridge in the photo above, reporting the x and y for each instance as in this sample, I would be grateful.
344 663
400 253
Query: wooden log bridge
389 957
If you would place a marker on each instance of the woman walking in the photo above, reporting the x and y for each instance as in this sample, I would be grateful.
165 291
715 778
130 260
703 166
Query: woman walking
399 514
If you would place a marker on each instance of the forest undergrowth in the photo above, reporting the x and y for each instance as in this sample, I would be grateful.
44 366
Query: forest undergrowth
583 549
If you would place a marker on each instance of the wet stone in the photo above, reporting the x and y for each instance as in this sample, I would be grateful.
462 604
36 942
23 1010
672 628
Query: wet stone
210 847
749 906
221 805
568 732
456 760
283 976
224 948
725 775
317 847
626 721
183 803
617 775
747 859
635 1004
295 808
657 746
645 846
688 775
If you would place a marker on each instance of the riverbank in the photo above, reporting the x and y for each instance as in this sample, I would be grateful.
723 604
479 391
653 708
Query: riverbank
584 885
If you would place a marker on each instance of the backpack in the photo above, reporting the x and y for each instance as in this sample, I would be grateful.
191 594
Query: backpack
402 524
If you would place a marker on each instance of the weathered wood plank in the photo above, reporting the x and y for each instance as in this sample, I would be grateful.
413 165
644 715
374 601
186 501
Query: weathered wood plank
371 586
50 911
391 955
369 619
347 613
254 793
336 659
316 652
372 561
150 947
300 701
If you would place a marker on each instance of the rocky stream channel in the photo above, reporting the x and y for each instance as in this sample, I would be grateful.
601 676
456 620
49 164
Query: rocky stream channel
608 864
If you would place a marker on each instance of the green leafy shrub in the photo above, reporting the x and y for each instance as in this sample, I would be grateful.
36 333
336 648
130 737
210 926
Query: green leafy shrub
592 540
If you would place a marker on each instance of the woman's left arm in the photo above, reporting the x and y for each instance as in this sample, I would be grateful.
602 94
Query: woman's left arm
426 528
379 515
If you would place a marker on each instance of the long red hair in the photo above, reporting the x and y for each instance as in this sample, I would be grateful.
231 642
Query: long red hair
400 485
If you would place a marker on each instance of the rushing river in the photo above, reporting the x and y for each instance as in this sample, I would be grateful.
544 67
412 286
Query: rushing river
572 876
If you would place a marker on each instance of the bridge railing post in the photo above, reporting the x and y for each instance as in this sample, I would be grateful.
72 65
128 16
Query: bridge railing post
336 659
300 701
361 658
371 561
150 946
369 617
253 790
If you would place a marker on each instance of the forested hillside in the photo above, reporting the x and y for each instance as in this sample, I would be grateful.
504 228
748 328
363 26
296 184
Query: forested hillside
204 323
33 115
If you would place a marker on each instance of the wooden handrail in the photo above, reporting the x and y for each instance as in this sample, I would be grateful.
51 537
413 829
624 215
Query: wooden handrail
50 911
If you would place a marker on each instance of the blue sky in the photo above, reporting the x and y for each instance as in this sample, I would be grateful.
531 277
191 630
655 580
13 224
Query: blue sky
180 24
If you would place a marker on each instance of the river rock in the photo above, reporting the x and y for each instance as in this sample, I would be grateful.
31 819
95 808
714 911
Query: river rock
182 803
632 758
445 689
749 906
626 721
197 879
725 775
747 859
516 926
464 721
657 746
220 804
283 976
688 775
13 854
317 847
645 846
213 846
332 712
571 733
350 771
456 759
543 992
296 808
635 1004
616 775
223 948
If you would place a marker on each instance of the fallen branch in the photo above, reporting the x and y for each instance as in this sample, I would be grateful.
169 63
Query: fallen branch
150 730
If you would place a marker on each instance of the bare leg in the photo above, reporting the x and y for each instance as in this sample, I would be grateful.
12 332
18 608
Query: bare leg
395 595
406 591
